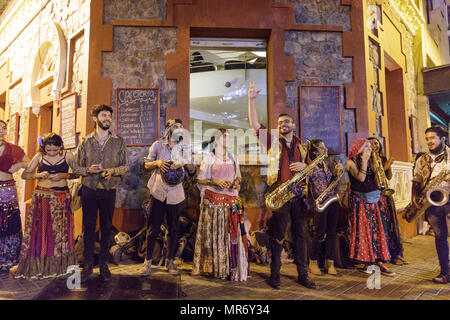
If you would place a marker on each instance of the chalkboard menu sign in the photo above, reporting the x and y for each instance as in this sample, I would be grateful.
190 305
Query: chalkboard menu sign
68 116
137 115
14 128
320 115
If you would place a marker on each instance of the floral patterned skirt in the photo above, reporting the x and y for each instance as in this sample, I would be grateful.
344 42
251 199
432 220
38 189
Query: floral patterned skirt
10 225
221 247
48 241
368 230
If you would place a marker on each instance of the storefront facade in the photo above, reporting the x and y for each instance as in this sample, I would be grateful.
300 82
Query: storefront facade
92 48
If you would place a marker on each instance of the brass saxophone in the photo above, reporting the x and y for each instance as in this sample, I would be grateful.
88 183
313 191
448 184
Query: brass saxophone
328 196
283 193
380 176
425 198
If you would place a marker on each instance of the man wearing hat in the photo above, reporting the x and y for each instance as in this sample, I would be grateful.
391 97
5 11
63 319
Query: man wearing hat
168 156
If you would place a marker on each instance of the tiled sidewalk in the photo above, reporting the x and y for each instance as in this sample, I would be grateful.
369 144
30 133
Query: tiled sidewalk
412 282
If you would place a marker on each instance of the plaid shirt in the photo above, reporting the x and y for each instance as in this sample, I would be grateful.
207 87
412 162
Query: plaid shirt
113 154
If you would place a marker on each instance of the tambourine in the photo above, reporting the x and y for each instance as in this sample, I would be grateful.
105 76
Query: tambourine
173 176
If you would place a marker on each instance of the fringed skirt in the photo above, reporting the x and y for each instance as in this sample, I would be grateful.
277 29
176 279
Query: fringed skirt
221 247
48 241
10 226
368 226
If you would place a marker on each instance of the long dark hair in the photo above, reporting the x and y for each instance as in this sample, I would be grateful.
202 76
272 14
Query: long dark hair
314 148
380 148
50 139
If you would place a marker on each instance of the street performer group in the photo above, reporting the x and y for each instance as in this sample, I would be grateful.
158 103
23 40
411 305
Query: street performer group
304 187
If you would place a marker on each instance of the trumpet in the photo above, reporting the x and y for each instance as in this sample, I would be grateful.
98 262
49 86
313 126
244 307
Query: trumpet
380 176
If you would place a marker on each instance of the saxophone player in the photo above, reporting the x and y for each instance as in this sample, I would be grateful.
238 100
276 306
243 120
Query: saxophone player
287 157
325 222
427 167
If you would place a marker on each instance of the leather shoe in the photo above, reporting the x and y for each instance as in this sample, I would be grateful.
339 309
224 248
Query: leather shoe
274 284
87 271
105 274
307 282
441 279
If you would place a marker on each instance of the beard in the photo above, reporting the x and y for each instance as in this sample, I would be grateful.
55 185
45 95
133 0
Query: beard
104 127
438 149
285 131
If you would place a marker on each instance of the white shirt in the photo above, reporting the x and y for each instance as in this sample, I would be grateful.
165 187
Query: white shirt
160 150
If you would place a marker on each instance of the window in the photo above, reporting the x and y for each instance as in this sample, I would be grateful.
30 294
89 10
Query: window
220 74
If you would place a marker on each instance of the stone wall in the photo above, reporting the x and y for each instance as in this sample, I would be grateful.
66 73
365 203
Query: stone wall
20 40
134 9
319 61
138 60
321 12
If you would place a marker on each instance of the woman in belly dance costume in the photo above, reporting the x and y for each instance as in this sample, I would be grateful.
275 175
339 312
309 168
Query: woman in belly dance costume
12 158
48 241
221 243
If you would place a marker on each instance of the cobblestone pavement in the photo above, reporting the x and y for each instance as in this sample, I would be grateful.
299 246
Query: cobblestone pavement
411 282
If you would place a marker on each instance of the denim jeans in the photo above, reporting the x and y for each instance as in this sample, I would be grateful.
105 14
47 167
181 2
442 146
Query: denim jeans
439 219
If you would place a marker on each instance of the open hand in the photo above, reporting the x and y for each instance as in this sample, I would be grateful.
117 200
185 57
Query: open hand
164 166
95 168
43 175
222 184
297 166
252 92
339 167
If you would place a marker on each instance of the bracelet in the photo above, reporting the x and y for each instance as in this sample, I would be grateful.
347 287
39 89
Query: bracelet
363 171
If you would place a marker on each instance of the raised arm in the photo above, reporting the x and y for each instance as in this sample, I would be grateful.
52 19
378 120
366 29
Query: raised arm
252 115
359 174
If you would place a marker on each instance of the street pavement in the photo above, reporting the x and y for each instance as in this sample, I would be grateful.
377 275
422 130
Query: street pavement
411 282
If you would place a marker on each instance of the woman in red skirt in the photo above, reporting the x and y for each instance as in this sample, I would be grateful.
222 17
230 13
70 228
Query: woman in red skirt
48 240
221 248
368 225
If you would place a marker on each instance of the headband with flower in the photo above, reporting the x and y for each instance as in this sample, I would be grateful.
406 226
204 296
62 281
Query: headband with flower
40 141
357 147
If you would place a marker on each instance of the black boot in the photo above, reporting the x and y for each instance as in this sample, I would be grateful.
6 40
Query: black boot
273 283
105 274
306 282
87 271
